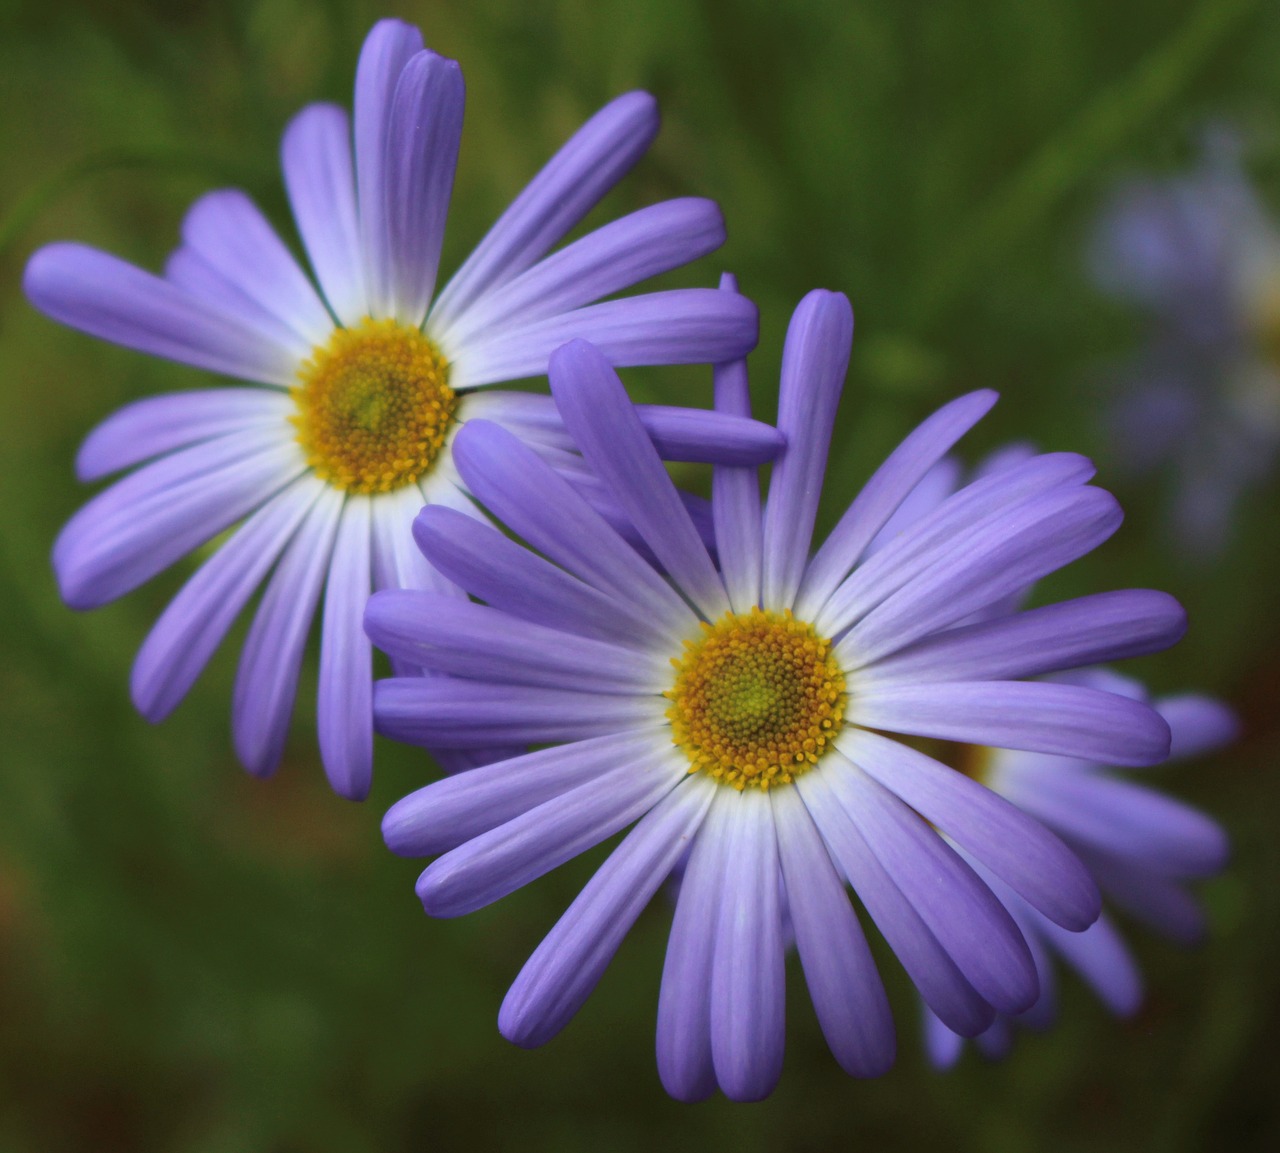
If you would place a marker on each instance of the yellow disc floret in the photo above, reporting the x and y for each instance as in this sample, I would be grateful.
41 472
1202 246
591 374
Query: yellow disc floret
757 699
374 406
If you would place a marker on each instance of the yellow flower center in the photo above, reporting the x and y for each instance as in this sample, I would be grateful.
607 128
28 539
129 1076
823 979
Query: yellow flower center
757 699
374 406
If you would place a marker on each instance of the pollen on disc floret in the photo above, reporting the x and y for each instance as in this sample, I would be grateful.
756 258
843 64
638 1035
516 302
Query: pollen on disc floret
374 406
758 697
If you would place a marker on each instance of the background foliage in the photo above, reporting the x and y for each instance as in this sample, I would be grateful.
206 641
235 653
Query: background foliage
194 961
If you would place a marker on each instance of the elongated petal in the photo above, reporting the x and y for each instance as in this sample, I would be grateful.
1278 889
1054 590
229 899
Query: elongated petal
962 913
1157 901
1042 717
591 162
735 492
1101 957
195 621
880 497
344 707
1125 820
599 416
145 522
1103 627
847 992
748 990
422 154
481 643
320 177
161 424
267 678
390 45
964 517
814 361
111 299
565 967
470 714
227 231
613 257
998 560
493 864
680 326
517 581
684 1006
941 984
1019 850
543 508
449 812
1199 724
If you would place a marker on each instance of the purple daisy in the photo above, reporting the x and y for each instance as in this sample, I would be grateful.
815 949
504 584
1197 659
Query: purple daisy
1140 845
746 717
369 377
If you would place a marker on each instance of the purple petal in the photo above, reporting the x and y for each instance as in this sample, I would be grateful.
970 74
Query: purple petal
565 967
267 679
489 866
594 159
847 993
542 507
390 45
814 361
680 326
942 481
990 501
1042 717
1019 850
599 416
1124 820
1103 627
447 813
735 502
962 913
104 296
1199 724
516 580
941 984
458 714
145 522
1156 901
469 640
943 1046
344 706
880 497
748 988
226 230
996 560
161 424
397 564
318 172
1100 956
422 154
195 621
684 1006
616 256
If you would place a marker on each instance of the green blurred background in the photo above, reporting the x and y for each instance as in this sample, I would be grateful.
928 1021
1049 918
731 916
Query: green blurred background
192 960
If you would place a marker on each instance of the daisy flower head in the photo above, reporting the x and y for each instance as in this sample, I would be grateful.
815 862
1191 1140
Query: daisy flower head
363 377
1200 256
746 714
1142 847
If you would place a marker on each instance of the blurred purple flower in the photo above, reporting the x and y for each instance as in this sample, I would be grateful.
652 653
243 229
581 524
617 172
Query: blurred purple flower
1201 256
369 377
738 714
1140 845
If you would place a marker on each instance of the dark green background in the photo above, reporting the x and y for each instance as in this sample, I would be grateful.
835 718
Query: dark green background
191 960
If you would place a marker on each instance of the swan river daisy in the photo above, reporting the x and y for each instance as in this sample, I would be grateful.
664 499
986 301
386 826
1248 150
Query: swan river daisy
746 715
369 374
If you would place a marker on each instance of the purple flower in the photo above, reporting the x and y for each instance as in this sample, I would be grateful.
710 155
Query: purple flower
368 380
1199 254
1140 845
745 717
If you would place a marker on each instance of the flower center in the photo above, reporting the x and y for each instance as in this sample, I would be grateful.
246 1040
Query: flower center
757 699
374 406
